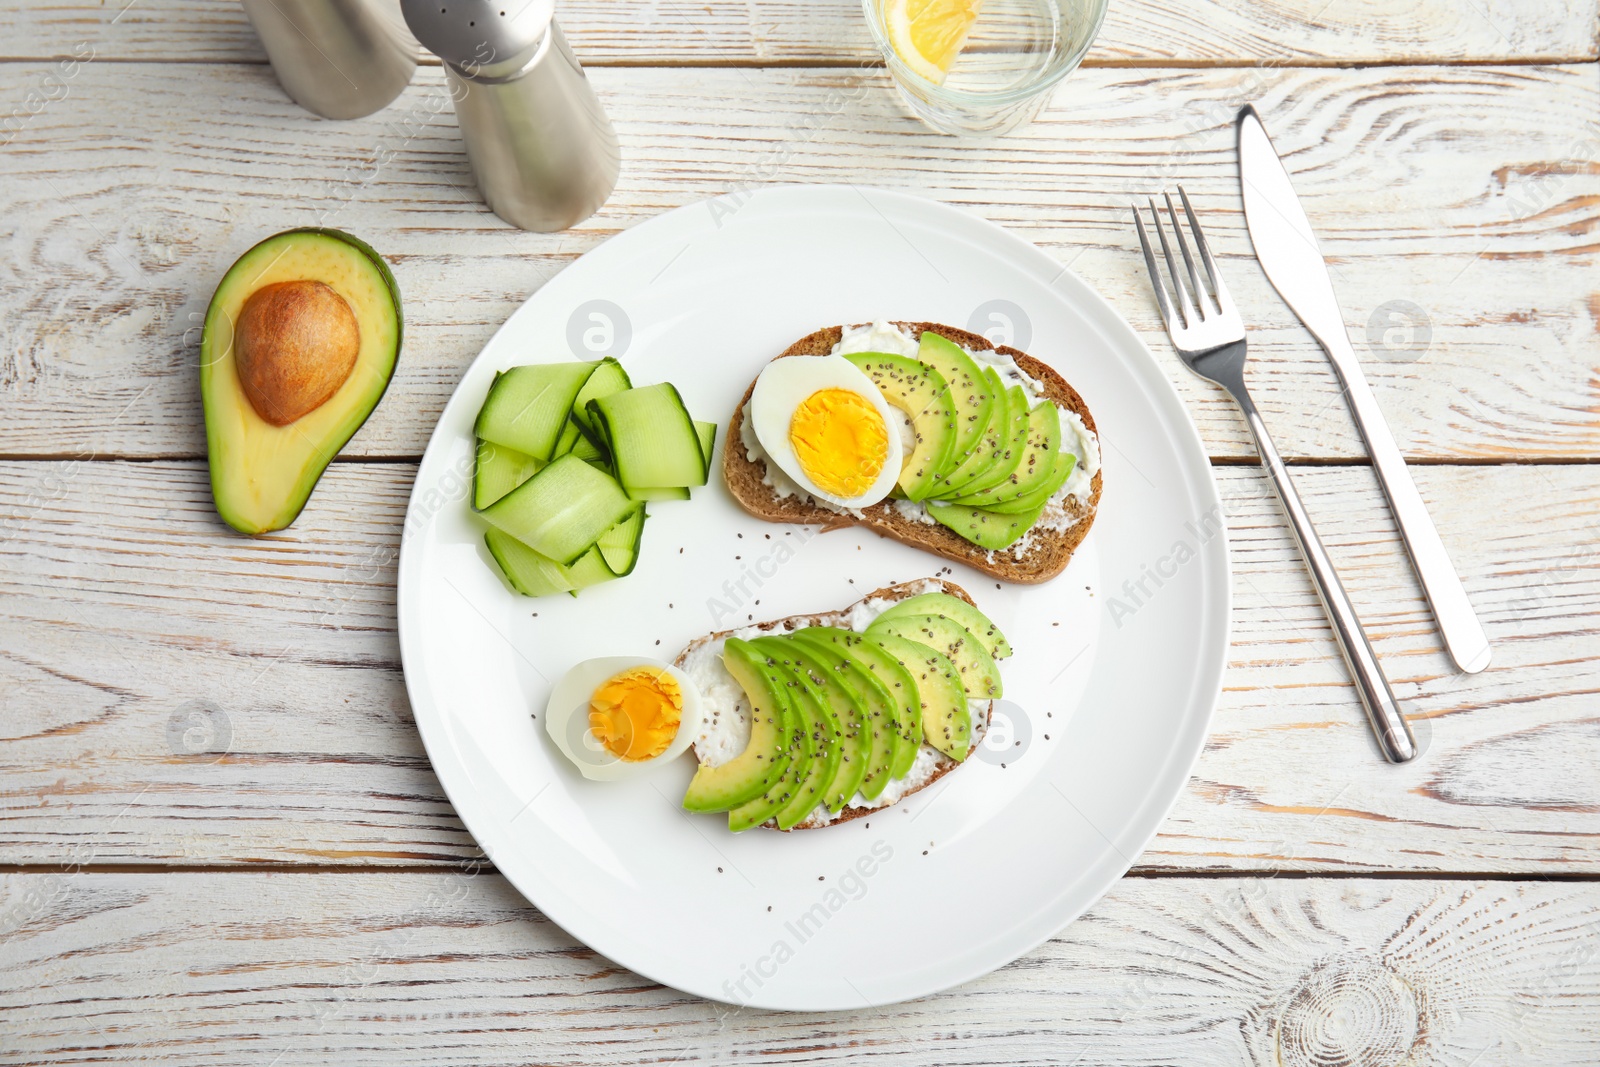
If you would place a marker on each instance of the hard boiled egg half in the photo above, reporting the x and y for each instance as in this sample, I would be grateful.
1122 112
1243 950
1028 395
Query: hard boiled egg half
826 425
621 716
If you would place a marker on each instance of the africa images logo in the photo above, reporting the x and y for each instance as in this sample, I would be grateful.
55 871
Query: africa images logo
850 886
1139 591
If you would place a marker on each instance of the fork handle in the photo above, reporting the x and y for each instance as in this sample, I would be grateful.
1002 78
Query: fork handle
1377 699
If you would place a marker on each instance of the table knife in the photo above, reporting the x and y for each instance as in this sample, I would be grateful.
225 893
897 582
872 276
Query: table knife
1287 249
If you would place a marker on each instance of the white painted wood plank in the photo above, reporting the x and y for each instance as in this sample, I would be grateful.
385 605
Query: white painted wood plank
449 968
767 31
176 693
1458 191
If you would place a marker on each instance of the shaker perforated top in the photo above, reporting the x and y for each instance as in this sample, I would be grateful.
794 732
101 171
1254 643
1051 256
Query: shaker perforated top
470 33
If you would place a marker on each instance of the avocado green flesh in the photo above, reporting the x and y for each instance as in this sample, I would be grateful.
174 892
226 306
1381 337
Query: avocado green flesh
978 673
822 723
1028 458
1035 501
892 682
946 716
990 448
261 474
1041 444
876 722
970 394
992 530
766 755
921 392
956 610
802 743
1013 446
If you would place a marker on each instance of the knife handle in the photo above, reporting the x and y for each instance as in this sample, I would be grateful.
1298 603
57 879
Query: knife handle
1377 699
1463 634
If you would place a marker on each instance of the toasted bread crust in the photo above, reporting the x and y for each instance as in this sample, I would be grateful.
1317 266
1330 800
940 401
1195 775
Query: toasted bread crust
1048 551
897 592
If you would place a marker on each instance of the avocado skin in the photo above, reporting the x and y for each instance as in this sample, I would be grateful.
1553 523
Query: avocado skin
221 394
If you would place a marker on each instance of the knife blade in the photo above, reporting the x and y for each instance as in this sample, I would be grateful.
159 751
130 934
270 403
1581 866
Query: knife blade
1287 249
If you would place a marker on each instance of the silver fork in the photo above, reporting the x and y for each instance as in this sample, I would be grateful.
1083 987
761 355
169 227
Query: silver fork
1209 335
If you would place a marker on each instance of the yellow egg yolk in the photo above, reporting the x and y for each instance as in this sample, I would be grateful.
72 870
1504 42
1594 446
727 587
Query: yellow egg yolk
840 440
635 714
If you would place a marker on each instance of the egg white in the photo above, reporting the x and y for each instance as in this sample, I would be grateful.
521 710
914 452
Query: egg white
784 385
566 718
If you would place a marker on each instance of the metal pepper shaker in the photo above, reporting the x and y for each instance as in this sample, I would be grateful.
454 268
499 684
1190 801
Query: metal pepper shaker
341 59
540 144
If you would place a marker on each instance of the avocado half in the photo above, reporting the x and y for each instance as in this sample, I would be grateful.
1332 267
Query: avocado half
262 472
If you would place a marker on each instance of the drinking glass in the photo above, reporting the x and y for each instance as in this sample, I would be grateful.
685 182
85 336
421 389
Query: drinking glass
1015 54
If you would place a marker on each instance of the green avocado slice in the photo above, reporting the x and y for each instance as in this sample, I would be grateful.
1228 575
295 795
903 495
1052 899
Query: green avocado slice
766 757
827 730
890 679
956 610
797 792
946 715
970 395
878 737
993 530
991 448
1013 444
1035 501
1041 442
921 392
978 672
262 474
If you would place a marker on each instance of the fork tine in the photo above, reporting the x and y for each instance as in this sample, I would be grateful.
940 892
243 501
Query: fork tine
1155 272
1202 298
1190 316
1224 302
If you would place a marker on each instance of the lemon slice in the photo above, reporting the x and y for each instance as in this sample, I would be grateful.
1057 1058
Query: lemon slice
928 34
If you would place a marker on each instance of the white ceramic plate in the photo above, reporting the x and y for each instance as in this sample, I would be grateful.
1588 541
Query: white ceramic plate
1117 667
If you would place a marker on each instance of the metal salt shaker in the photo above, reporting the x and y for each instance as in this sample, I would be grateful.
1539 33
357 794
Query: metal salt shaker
540 144
341 59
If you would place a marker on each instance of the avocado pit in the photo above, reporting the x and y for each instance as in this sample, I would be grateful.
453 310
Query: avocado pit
295 344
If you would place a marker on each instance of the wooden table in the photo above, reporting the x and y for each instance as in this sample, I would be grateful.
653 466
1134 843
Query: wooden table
222 840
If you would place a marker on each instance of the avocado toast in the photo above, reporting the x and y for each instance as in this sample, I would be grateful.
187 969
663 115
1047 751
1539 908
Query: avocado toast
814 720
1027 535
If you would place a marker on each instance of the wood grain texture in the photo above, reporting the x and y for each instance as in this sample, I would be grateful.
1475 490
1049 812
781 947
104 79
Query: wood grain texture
175 693
1459 192
453 968
787 31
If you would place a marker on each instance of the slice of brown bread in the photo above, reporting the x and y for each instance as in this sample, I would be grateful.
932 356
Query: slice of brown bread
1047 551
899 591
